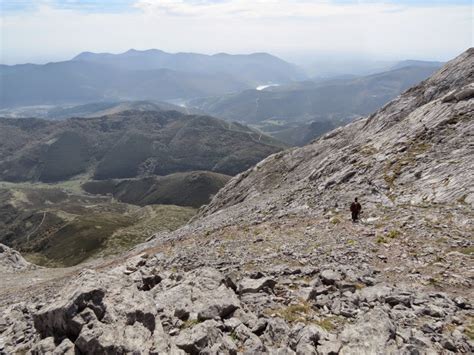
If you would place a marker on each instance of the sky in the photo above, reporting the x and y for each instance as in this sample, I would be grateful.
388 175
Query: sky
39 31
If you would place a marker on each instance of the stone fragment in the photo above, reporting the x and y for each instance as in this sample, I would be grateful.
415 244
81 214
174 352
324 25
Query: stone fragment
399 298
44 346
202 335
330 277
65 348
369 335
249 285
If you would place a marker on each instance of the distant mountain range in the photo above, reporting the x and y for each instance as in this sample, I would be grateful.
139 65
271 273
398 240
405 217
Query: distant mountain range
139 75
306 101
287 111
93 109
325 65
252 69
417 63
287 104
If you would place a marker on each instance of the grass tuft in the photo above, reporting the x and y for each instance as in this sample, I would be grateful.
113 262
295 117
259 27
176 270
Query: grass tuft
394 233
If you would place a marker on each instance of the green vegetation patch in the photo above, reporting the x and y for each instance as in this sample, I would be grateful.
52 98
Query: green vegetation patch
466 250
124 159
394 233
326 323
81 238
380 240
295 313
469 330
149 220
66 157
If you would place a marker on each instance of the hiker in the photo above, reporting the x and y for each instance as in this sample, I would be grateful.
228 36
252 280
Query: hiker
355 210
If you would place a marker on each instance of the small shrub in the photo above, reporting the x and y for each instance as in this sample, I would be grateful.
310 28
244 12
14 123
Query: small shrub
326 324
467 250
295 312
380 240
393 234
433 281
233 336
469 330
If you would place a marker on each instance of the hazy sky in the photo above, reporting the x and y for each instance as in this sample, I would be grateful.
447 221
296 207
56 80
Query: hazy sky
49 30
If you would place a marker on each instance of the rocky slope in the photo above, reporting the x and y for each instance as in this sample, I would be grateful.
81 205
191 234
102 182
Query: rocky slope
274 265
11 260
415 150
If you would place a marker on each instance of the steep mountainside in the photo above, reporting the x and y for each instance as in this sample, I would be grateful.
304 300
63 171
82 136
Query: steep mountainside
125 145
415 150
315 101
275 266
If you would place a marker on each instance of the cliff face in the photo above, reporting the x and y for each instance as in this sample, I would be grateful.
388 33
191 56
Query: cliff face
416 150
274 264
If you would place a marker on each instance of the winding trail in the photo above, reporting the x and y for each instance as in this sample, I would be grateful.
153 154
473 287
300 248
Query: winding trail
37 228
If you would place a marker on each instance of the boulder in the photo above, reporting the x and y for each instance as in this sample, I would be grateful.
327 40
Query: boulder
369 335
202 335
330 277
249 285
201 295
111 339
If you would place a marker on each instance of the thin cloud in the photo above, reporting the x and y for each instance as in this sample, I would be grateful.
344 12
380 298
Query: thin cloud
260 9
239 26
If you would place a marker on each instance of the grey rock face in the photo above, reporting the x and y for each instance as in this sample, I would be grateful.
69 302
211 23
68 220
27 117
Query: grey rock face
11 260
397 155
200 297
203 335
369 335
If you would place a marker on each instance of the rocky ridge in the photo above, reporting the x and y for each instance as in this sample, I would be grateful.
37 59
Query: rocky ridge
273 264
11 260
